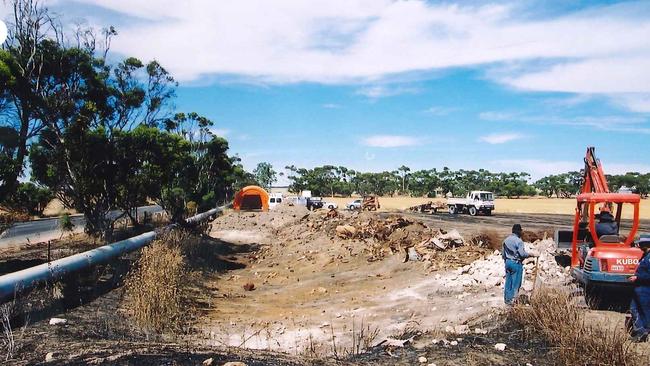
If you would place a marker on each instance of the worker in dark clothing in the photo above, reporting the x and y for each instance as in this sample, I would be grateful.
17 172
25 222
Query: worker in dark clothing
640 306
606 224
513 254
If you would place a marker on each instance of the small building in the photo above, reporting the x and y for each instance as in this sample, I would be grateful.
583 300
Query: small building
251 198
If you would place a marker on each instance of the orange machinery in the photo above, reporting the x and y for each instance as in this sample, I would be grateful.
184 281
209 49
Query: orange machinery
609 260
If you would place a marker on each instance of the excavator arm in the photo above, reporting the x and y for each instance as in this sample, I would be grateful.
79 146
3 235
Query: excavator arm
594 177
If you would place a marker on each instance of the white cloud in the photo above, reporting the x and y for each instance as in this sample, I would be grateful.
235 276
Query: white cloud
622 168
331 106
570 101
496 116
637 102
501 138
602 50
220 131
383 91
391 141
613 123
611 75
440 111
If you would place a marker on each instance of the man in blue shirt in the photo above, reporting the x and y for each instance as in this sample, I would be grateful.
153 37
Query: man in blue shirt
640 306
513 254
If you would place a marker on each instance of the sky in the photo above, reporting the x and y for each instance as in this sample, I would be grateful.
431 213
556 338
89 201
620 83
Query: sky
376 84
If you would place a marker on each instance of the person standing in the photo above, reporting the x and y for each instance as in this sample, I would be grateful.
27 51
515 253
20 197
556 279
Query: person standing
640 305
513 254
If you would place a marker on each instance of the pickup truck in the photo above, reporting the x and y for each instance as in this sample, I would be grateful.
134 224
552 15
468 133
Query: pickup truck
475 202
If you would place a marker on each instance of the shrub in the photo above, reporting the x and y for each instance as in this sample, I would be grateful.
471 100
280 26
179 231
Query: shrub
173 201
191 208
30 198
554 315
157 286
65 224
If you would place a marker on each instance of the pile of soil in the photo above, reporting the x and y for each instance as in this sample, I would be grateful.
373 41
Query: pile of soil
381 236
305 282
267 221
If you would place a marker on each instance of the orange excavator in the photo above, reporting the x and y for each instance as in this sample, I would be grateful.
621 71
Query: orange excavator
601 262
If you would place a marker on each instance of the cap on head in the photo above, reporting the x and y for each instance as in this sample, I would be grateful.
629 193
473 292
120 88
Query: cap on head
516 228
644 240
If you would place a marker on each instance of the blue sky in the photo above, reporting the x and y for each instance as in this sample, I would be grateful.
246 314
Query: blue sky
375 84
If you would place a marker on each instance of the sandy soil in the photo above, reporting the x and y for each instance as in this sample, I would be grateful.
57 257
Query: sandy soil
503 205
309 289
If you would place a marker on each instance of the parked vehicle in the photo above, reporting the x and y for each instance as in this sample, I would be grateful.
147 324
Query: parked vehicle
330 205
314 203
367 203
474 203
354 205
274 200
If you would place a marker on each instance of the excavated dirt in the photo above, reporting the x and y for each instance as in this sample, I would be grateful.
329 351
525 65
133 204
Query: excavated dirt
313 283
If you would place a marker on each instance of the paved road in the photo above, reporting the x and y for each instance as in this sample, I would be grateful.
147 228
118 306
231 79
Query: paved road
47 229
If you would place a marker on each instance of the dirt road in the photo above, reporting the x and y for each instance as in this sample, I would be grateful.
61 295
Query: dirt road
502 222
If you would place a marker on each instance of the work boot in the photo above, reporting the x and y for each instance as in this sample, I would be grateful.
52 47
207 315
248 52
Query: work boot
640 338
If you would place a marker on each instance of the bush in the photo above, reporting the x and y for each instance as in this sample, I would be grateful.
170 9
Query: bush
157 286
554 315
65 223
191 208
30 198
173 201
208 201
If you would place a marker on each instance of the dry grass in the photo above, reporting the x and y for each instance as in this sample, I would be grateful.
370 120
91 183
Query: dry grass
363 338
11 342
553 314
157 286
8 340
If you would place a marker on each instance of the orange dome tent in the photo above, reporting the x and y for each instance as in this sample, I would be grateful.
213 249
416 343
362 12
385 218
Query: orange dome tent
251 198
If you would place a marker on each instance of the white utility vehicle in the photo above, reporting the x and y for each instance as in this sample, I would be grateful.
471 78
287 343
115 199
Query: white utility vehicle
274 200
475 202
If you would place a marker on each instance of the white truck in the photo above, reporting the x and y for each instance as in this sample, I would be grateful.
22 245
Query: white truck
475 202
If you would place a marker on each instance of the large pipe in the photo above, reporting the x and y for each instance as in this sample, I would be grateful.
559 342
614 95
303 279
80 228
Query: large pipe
12 284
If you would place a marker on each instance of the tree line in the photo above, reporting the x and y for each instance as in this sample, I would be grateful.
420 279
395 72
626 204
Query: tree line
330 180
100 135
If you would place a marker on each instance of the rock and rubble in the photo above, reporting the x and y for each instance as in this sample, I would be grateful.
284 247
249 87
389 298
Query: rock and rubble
490 272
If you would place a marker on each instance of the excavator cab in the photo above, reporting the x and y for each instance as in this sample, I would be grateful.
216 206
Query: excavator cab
602 261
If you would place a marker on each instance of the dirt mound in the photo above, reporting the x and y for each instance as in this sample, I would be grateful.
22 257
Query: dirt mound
257 220
380 236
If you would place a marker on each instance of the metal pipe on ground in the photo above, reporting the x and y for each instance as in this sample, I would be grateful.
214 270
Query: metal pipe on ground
12 284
